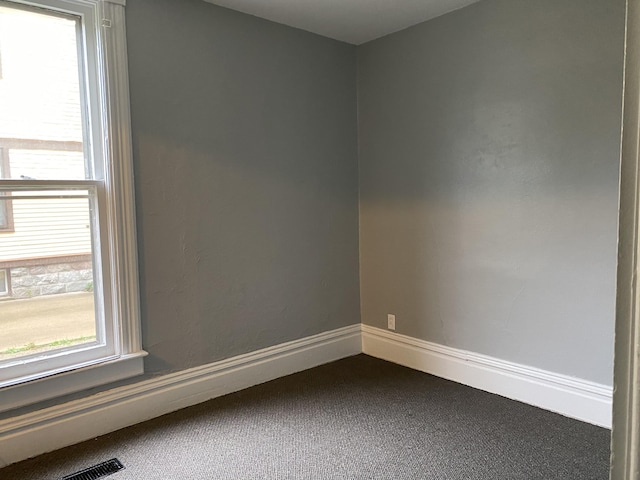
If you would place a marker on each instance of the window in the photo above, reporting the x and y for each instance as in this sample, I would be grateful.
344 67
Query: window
4 283
6 210
67 227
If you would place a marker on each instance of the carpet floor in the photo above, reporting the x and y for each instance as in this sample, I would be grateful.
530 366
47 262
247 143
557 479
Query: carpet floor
357 418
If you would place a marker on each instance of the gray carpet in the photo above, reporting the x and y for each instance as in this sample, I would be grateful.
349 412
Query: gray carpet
358 418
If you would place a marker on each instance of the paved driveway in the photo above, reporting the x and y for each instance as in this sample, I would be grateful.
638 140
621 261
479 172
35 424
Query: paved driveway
47 319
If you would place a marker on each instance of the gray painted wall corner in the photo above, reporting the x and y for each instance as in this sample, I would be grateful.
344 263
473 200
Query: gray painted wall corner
489 148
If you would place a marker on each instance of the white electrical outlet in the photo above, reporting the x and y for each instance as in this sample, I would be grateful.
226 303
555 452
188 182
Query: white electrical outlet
391 321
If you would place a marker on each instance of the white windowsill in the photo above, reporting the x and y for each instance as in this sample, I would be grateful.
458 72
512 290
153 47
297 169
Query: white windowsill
126 366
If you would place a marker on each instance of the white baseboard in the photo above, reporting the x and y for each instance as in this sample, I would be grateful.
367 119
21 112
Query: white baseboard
45 430
569 396
52 428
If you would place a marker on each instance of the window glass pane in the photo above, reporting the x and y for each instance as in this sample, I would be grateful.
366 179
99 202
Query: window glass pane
4 287
5 207
46 248
48 261
40 95
4 220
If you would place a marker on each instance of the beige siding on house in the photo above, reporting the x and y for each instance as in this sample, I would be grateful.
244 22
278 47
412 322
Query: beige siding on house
48 227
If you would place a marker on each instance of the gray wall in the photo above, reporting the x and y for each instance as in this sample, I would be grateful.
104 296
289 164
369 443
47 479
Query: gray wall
489 146
245 150
489 152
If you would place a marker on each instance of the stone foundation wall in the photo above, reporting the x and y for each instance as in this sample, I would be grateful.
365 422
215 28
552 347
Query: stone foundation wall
50 279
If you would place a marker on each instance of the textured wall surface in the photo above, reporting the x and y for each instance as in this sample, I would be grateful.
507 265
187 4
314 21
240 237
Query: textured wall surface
489 157
245 149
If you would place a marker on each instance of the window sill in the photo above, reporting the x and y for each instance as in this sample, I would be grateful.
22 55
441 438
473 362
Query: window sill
83 378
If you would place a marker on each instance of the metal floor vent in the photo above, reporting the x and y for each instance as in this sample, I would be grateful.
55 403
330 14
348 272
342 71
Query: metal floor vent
97 471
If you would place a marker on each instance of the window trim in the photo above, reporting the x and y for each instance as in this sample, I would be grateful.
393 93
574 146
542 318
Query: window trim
103 23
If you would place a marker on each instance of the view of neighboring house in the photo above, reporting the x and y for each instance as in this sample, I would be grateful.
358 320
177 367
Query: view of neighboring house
45 245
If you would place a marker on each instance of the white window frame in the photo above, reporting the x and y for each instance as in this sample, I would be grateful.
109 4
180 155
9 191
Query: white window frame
106 76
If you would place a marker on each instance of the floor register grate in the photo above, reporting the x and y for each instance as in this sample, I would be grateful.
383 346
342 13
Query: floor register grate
97 471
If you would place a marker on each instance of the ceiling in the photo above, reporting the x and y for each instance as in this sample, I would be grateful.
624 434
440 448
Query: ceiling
352 21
